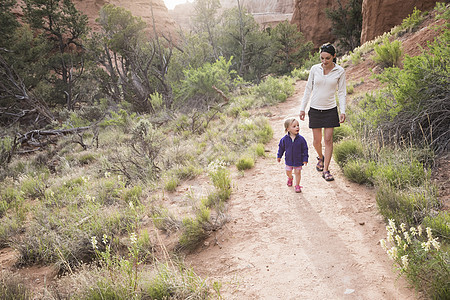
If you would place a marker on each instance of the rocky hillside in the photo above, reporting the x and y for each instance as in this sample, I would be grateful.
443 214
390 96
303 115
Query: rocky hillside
378 17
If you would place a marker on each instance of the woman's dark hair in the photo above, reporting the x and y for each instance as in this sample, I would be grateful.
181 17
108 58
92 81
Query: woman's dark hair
329 48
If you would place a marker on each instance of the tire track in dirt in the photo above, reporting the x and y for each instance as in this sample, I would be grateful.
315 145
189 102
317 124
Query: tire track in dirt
319 244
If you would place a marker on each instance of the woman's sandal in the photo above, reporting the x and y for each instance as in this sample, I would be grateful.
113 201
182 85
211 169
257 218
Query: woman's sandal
319 166
327 176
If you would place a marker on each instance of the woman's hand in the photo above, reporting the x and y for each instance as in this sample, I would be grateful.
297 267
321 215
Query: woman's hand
342 118
302 115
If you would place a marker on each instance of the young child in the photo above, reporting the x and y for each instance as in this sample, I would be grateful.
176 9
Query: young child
295 150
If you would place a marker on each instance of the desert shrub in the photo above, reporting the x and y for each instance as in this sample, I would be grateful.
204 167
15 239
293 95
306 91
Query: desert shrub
300 74
419 257
346 150
350 88
408 206
9 196
245 162
341 132
413 20
9 226
180 283
360 171
263 130
11 288
401 174
6 146
389 53
164 220
171 184
196 89
86 158
193 234
34 185
61 237
274 90
260 150
439 223
419 92
132 195
221 179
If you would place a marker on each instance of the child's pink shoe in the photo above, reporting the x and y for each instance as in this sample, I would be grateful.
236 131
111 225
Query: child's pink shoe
289 183
298 189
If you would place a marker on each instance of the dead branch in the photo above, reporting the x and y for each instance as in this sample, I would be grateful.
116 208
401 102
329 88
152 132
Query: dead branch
221 93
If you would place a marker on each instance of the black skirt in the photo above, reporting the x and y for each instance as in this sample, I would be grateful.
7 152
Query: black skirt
327 118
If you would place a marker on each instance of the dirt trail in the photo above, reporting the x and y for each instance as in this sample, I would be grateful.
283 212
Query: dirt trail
318 244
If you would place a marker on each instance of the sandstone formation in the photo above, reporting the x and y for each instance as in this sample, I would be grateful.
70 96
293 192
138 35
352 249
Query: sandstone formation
311 19
380 16
141 8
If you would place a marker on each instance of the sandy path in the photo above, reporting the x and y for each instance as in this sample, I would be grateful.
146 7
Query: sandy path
319 244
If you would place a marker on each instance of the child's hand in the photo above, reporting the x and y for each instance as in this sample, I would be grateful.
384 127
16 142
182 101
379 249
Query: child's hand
278 159
305 163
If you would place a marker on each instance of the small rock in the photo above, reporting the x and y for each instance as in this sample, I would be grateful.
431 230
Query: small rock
362 223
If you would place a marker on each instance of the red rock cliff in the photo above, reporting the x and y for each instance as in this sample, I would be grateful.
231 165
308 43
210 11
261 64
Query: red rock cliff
380 16
310 17
139 8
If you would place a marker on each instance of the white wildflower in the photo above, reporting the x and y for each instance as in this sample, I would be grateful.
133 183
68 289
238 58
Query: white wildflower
105 239
133 238
405 246
403 227
404 259
419 229
383 244
398 239
430 236
390 237
392 253
436 244
94 242
107 174
131 205
426 246
85 179
413 231
392 224
407 237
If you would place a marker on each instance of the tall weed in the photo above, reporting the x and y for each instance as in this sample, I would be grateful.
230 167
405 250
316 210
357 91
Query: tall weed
389 53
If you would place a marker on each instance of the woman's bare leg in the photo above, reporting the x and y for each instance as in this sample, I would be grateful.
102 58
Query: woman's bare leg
317 141
328 140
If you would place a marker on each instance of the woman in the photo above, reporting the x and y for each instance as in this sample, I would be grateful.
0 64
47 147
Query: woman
323 80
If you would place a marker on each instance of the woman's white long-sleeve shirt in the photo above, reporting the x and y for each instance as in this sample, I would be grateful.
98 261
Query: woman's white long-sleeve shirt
321 89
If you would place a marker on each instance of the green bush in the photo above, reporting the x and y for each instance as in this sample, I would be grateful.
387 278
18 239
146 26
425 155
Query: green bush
413 20
193 234
388 54
360 171
274 90
245 162
346 150
260 150
401 174
440 224
409 206
171 184
341 132
300 74
13 289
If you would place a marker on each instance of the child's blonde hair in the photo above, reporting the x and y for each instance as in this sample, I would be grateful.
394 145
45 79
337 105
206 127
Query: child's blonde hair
288 122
